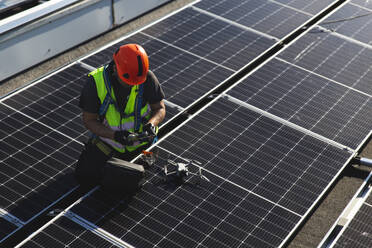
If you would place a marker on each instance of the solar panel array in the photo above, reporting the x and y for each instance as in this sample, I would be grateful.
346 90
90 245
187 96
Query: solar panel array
269 146
351 23
319 82
45 149
264 178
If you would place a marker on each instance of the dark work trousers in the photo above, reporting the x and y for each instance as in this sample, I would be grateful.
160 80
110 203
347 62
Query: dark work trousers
90 168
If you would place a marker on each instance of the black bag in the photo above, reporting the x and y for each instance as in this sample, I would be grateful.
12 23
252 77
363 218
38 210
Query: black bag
122 177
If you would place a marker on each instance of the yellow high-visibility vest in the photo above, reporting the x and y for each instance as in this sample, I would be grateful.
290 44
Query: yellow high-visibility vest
112 118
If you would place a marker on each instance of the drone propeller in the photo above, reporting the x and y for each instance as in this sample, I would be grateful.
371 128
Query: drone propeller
202 176
166 170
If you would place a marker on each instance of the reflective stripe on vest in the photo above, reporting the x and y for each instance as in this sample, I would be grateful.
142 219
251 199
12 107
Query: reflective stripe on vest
112 117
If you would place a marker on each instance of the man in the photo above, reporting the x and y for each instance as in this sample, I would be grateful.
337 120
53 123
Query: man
135 106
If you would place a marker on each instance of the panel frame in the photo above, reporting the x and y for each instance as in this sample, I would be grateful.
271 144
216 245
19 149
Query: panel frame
36 215
347 215
78 220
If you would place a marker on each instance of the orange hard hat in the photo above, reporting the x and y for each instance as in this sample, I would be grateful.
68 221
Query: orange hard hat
132 64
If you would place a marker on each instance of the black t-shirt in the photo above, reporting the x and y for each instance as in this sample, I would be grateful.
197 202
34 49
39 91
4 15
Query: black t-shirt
90 102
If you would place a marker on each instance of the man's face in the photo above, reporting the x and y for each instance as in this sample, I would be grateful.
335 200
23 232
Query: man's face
122 83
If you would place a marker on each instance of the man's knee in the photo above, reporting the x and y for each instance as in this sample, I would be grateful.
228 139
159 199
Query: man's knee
90 166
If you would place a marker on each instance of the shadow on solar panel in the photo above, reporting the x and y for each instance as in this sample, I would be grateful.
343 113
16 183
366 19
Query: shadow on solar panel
36 164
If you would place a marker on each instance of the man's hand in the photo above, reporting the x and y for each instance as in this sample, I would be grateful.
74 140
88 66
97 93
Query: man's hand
121 137
93 124
150 129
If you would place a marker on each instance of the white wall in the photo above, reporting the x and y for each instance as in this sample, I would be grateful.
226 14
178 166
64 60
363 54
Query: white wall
31 43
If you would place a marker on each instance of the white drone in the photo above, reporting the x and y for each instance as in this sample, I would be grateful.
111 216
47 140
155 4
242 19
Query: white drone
181 170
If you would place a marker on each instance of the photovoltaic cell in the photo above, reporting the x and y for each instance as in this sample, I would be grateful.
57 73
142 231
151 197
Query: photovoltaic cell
39 143
333 57
36 164
276 18
213 39
352 20
54 102
218 214
264 178
65 233
308 100
257 153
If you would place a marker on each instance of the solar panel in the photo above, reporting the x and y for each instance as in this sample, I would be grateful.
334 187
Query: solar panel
352 20
276 18
222 215
362 3
307 99
316 86
36 165
264 177
39 144
54 102
347 64
216 40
